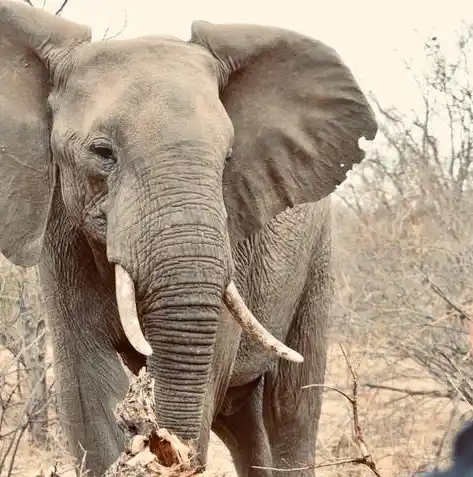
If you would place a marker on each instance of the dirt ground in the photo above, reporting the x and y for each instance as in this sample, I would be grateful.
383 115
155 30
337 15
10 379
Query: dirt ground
402 433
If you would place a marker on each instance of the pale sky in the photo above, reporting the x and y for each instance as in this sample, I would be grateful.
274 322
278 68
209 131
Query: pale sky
372 36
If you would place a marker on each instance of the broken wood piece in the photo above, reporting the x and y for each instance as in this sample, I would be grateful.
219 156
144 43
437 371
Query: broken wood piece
151 451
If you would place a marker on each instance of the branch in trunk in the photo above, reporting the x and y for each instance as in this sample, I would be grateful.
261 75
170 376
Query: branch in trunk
151 451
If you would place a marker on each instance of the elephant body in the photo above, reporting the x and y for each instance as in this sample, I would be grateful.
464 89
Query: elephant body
176 195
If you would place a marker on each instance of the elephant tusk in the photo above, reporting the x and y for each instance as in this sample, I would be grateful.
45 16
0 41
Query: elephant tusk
125 290
250 325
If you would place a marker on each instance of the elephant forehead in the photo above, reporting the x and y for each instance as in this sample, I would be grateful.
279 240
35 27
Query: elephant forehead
131 70
146 59
115 85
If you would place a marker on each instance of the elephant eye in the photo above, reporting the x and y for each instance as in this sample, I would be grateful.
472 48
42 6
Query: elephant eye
105 153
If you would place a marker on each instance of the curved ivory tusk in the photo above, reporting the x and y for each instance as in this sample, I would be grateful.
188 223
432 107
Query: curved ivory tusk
125 290
254 328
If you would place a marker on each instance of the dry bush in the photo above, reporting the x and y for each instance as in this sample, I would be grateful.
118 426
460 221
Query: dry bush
26 397
404 261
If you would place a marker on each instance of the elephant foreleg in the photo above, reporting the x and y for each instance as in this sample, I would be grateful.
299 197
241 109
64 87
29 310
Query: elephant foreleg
291 414
89 383
85 330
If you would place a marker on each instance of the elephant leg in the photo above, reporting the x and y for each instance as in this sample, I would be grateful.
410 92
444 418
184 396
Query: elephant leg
87 394
84 329
241 429
291 414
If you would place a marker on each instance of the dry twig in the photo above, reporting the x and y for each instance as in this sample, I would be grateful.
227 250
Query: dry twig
366 457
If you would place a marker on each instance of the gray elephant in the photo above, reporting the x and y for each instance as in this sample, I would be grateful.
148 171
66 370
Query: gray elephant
166 188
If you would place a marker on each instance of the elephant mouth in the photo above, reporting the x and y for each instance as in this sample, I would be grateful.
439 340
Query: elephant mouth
126 301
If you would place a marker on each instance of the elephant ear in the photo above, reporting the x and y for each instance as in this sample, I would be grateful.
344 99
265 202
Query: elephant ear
31 41
297 112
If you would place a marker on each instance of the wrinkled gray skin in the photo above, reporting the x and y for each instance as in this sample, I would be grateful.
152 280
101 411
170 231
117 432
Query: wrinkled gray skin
178 160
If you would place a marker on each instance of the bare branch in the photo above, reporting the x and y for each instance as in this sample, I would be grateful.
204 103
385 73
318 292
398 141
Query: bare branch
412 392
463 314
61 8
122 29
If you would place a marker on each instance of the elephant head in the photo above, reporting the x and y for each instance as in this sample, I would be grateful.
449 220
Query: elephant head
169 152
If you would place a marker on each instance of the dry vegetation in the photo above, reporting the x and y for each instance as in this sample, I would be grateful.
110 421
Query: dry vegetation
399 377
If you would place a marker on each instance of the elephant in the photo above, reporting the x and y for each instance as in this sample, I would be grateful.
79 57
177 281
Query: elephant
176 197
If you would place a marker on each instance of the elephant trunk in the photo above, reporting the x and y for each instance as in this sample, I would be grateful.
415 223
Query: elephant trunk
180 312
180 321
167 236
